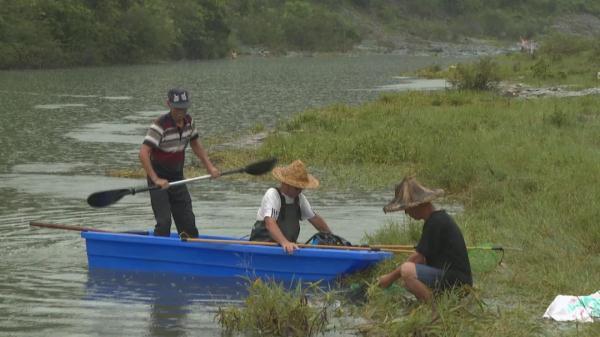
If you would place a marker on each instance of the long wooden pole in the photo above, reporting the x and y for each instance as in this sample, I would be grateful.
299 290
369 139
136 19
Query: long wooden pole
393 246
67 227
301 245
491 247
80 228
217 241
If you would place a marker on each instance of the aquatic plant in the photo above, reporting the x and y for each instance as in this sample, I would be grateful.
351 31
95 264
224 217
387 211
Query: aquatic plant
271 309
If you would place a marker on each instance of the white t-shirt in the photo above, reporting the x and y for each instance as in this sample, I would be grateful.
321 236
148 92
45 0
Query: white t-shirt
271 205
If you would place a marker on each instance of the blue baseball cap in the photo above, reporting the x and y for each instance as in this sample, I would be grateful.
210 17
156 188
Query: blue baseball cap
179 98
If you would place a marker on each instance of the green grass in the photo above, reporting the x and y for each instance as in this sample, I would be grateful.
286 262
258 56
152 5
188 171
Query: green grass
577 71
524 170
561 60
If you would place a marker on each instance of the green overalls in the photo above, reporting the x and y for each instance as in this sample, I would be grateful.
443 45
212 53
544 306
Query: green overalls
288 221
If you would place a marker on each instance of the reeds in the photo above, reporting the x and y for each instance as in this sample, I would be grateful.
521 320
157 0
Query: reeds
273 309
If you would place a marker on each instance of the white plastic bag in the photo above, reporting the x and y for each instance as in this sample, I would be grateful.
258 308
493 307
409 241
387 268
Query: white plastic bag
574 308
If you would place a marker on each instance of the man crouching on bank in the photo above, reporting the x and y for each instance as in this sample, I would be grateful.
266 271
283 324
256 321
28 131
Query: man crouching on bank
440 260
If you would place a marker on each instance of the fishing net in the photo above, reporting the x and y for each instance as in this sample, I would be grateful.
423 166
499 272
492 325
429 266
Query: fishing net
485 258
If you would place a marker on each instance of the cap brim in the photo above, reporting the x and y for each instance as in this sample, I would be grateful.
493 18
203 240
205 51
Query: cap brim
180 105
394 206
398 205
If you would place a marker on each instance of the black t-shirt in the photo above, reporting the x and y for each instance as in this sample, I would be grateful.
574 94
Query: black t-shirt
444 248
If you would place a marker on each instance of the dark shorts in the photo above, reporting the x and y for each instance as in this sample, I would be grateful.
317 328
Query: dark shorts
430 276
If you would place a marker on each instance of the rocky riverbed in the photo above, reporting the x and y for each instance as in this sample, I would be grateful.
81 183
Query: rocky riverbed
520 90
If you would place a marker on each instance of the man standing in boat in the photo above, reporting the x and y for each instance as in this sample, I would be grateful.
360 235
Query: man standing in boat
163 156
440 260
282 208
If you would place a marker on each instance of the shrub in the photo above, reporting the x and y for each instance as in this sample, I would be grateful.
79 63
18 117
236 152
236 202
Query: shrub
482 75
595 55
432 71
558 45
541 69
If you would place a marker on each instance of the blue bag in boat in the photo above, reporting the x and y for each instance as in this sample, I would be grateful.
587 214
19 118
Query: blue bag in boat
328 239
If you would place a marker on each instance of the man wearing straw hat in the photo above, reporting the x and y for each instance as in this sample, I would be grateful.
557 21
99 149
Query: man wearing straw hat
282 208
440 260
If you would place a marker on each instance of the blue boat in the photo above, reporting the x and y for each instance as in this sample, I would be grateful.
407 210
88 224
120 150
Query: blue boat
148 253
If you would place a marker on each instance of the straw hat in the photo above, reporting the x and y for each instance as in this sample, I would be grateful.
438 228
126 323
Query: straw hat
409 193
295 175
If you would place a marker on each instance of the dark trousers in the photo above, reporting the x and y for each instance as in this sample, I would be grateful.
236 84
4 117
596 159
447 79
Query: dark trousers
176 202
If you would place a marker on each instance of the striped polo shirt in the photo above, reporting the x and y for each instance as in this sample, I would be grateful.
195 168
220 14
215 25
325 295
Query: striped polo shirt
168 143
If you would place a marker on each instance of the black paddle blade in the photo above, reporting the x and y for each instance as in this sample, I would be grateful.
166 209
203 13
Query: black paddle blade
261 167
105 198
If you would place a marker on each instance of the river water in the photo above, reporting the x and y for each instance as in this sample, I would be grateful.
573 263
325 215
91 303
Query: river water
64 129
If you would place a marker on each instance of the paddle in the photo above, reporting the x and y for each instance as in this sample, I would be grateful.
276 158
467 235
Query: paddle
106 198
80 228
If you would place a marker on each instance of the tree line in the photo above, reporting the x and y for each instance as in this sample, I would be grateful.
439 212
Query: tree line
58 33
52 33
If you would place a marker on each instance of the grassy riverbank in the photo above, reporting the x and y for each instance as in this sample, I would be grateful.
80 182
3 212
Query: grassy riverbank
525 171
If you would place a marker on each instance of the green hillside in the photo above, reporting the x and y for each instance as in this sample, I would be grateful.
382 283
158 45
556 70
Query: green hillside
52 33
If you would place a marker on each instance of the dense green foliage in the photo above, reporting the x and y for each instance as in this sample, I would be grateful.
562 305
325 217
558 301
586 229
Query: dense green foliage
293 25
36 33
53 33
452 19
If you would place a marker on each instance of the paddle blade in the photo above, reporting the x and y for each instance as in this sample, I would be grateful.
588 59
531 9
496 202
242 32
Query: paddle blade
261 167
105 198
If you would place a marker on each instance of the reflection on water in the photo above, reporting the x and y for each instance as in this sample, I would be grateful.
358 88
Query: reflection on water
175 305
47 168
408 83
117 98
145 116
163 288
63 185
110 133
58 106
63 129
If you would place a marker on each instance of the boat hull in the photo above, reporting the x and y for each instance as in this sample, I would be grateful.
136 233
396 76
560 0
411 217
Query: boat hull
148 253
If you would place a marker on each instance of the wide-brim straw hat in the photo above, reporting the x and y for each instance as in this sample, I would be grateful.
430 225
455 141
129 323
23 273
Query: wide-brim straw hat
295 175
409 193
